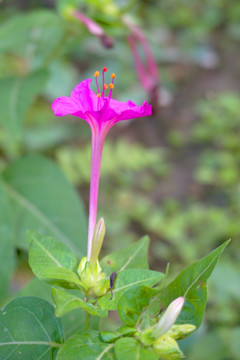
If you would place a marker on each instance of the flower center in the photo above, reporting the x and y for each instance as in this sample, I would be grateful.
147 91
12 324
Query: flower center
104 85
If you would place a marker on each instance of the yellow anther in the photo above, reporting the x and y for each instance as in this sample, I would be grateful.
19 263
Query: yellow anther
98 95
105 86
96 74
113 75
111 86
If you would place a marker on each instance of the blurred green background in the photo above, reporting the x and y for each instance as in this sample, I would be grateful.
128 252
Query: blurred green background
175 175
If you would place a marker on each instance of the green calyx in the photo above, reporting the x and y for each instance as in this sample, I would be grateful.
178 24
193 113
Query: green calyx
167 348
92 277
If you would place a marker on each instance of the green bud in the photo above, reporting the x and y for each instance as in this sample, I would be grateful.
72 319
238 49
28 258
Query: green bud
86 276
82 265
98 236
167 348
101 287
178 332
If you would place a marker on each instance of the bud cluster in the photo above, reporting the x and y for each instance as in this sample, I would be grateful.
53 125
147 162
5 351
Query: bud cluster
94 280
163 335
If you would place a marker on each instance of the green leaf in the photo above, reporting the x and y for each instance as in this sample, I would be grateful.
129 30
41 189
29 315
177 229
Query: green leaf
7 256
133 302
45 201
133 256
29 330
61 277
131 349
66 302
126 280
85 345
46 252
191 283
17 95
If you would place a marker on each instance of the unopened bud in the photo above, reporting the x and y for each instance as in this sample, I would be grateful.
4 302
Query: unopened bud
167 348
181 331
86 276
82 265
98 236
101 287
168 318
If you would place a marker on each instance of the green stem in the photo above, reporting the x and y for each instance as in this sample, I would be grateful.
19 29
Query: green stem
87 321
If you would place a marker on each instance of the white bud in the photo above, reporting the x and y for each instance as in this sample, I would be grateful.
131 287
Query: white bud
168 318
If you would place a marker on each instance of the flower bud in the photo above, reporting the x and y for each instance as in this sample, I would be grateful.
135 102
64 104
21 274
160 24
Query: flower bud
98 236
82 265
101 287
87 277
168 318
167 348
178 332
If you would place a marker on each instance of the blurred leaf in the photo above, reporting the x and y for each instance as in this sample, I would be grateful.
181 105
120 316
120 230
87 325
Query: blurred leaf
131 349
127 279
65 302
132 256
191 283
133 302
45 201
85 345
36 288
35 36
16 96
29 330
7 255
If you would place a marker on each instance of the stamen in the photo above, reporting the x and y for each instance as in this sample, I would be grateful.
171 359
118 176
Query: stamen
105 86
98 95
96 74
111 85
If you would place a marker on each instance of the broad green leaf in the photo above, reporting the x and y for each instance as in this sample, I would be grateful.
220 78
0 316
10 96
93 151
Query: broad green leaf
7 256
34 35
61 277
133 302
126 280
191 283
46 252
44 200
17 95
85 345
65 302
131 349
29 330
133 256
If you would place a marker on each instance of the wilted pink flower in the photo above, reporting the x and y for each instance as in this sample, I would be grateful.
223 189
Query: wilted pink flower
101 112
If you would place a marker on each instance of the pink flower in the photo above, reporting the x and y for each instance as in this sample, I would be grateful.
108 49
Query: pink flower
101 112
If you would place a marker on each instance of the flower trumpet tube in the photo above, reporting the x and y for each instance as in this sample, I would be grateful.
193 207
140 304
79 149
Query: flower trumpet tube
169 317
101 112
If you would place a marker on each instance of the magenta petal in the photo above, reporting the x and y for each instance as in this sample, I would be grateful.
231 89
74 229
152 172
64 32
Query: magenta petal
84 96
64 106
129 110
